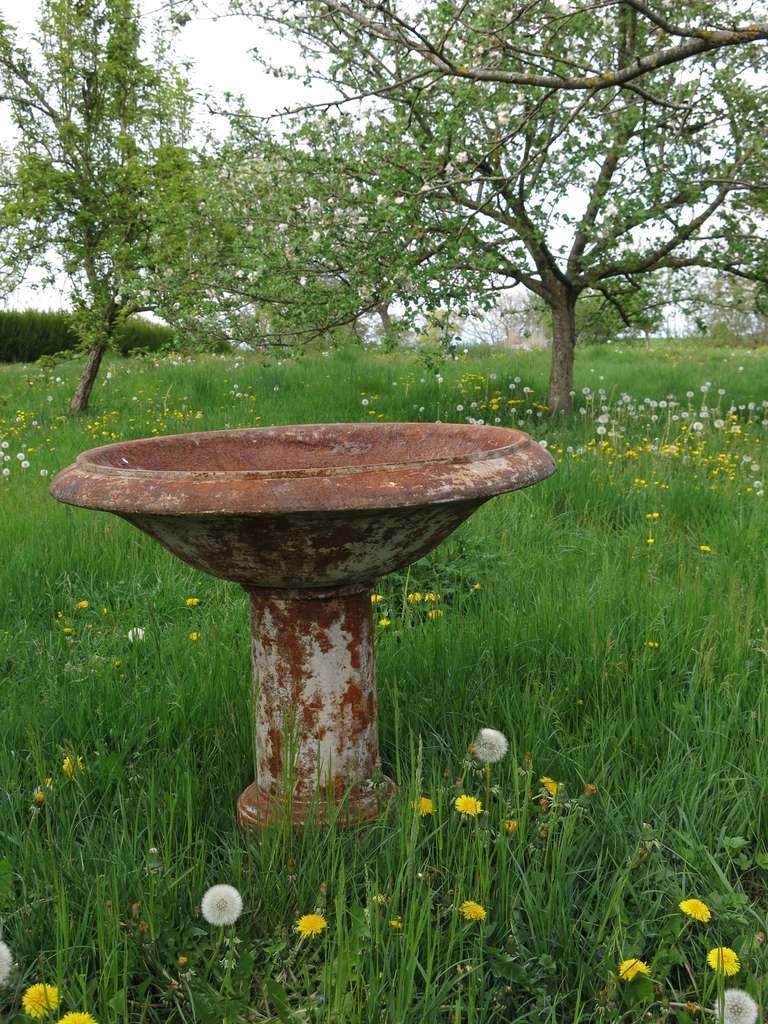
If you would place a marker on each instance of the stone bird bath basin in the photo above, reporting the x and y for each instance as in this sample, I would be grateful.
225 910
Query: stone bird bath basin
306 519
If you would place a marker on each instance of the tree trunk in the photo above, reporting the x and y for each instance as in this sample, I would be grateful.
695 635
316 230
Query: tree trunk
563 342
84 387
386 320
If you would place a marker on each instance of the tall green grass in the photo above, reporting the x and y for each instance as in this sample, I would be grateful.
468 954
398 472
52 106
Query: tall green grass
636 668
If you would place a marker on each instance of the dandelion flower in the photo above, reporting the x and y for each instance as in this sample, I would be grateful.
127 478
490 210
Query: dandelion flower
81 604
192 602
705 549
396 923
40 1000
377 598
629 969
310 925
424 806
384 621
221 904
194 635
137 633
510 825
72 764
77 1018
550 785
490 746
736 1007
472 911
6 962
39 796
468 805
724 959
696 909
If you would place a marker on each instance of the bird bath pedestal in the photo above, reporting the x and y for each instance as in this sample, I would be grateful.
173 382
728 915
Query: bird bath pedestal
306 519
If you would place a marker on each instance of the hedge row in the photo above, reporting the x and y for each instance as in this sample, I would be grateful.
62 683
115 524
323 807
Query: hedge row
26 336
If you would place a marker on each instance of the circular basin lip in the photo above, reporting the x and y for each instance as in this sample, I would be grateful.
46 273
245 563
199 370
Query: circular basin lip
472 477
86 461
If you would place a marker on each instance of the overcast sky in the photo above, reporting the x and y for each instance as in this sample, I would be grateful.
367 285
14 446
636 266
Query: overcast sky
219 51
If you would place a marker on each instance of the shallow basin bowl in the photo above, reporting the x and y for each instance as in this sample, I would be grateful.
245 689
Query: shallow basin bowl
304 506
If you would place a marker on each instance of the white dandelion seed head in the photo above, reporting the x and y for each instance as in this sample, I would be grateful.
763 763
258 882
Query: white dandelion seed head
222 904
490 746
6 962
137 633
736 1007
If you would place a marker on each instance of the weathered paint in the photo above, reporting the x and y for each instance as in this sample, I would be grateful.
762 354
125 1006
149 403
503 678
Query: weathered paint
306 518
316 728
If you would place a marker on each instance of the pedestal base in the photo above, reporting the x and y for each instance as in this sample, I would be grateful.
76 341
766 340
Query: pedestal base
255 808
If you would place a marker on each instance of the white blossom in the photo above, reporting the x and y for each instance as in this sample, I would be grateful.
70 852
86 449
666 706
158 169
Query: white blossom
736 1007
221 905
6 962
137 633
490 746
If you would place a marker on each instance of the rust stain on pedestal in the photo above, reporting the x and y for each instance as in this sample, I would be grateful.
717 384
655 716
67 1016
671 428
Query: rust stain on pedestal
306 519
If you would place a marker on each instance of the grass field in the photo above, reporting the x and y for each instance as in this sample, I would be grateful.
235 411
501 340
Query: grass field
611 621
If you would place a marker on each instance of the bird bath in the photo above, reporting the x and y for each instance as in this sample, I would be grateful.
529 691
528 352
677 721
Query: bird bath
306 519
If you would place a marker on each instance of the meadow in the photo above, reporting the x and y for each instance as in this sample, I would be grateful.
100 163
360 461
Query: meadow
611 622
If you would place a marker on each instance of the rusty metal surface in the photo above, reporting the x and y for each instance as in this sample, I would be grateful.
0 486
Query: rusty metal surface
316 729
309 468
306 518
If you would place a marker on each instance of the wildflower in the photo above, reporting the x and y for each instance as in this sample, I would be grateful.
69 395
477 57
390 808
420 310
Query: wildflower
424 806
550 785
432 596
221 904
629 969
68 631
475 586
377 598
39 1000
39 796
590 789
705 549
736 1007
413 598
396 923
472 911
468 805
6 962
81 604
384 621
652 515
310 925
192 602
651 643
77 1018
194 635
70 765
182 962
435 613
490 746
724 960
510 825
380 899
137 633
696 909
650 541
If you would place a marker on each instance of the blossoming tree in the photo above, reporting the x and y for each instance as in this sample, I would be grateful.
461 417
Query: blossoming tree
572 149
89 188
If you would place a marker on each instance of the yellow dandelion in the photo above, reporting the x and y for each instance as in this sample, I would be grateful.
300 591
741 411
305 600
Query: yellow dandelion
724 960
510 825
550 785
472 911
194 635
413 598
705 549
396 923
468 805
651 643
384 621
81 604
68 631
40 1000
192 602
696 909
72 764
650 541
629 969
424 806
39 796
476 586
377 598
310 925
432 596
435 613
380 899
77 1018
